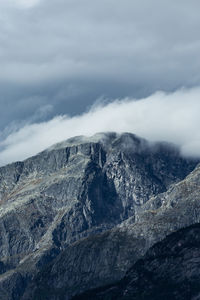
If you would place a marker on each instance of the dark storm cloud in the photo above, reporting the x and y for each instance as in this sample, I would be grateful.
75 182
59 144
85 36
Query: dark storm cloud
59 56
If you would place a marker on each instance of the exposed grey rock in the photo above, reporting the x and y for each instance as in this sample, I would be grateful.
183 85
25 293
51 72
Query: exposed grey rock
169 270
77 189
101 260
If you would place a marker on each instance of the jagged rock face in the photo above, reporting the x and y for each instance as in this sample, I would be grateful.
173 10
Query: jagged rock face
74 190
169 270
105 258
80 186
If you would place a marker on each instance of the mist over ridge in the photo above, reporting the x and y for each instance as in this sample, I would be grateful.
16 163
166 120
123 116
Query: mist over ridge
170 117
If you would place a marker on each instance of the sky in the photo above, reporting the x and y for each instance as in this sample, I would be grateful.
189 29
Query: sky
67 60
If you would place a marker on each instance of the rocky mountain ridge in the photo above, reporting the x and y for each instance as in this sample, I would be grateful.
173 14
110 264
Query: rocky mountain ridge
55 205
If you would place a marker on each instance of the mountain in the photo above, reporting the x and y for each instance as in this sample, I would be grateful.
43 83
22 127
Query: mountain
169 270
79 214
103 259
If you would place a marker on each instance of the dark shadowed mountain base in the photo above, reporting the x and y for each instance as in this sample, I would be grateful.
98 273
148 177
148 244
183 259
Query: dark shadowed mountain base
169 270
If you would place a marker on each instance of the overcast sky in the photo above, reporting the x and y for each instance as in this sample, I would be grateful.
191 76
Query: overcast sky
60 57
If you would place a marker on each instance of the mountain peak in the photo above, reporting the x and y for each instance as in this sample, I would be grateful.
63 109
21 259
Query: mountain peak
77 189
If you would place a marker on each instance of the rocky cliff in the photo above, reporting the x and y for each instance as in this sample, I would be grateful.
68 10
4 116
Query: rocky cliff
169 270
101 260
80 213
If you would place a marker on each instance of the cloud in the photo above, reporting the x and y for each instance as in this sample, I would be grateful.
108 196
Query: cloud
117 49
66 39
172 117
24 3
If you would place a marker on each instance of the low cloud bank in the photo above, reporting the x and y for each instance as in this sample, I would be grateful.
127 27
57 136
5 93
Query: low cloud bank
172 117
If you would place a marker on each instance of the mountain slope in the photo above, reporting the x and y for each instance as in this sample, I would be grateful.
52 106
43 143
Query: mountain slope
74 190
169 270
105 258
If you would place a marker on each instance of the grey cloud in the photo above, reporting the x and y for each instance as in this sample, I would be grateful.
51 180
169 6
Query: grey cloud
69 53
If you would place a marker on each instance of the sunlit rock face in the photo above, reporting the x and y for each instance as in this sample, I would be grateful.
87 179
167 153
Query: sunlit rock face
76 190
